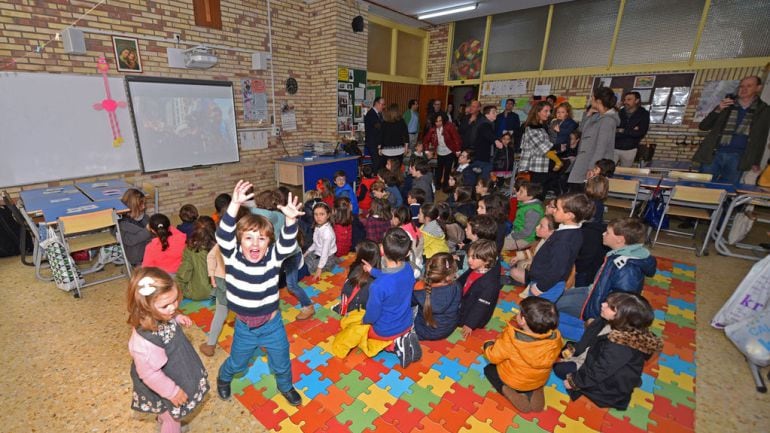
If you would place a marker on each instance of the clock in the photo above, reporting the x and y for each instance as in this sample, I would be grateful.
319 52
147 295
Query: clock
291 86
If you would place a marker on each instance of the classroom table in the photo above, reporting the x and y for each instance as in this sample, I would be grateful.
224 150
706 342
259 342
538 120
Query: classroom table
650 182
35 200
666 166
298 171
104 190
52 212
747 194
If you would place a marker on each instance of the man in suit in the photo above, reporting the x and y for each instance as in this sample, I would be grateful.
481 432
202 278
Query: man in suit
373 129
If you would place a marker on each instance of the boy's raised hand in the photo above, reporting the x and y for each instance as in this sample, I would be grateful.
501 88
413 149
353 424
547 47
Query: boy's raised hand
292 210
240 192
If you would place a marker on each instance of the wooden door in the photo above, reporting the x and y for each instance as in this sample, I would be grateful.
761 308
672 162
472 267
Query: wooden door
427 94
399 93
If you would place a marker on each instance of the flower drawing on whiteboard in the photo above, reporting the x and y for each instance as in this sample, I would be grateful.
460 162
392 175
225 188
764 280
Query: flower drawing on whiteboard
108 104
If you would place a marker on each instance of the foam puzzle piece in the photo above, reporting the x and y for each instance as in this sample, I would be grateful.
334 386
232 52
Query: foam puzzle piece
521 425
354 384
464 398
314 357
569 425
269 414
637 415
474 425
312 417
357 416
394 384
421 397
497 413
452 420
676 364
663 408
402 415
675 394
612 424
372 369
546 420
313 384
377 398
450 368
585 410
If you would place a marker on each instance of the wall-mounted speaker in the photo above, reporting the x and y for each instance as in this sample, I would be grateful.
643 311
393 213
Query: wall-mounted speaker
74 42
358 24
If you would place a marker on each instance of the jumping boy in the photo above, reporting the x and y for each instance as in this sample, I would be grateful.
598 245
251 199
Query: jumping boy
252 262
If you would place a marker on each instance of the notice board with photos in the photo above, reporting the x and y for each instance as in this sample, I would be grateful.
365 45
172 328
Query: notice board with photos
351 92
665 96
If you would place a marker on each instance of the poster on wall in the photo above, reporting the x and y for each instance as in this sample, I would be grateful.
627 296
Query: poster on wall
504 88
351 97
713 92
288 118
254 100
666 95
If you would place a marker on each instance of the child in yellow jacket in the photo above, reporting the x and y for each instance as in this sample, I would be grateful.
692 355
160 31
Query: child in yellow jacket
432 230
522 356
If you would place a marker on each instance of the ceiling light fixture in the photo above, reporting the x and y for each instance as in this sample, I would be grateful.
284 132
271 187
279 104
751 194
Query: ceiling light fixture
454 10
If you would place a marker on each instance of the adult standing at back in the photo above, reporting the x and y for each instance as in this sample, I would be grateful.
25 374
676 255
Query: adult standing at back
395 135
509 122
444 140
373 130
412 120
469 124
486 140
597 139
634 123
536 143
737 135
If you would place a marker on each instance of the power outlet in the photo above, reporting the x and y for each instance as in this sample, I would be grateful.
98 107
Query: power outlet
275 131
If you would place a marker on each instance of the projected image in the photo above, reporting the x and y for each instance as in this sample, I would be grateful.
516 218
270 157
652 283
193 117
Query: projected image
184 125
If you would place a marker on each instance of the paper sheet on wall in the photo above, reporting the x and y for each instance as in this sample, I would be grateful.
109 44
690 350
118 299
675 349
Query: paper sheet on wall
288 118
504 88
542 90
713 92
605 81
644 95
254 100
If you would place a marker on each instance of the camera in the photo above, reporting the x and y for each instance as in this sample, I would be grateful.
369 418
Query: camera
731 96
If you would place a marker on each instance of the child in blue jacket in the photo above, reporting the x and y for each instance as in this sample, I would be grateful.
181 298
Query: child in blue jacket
343 189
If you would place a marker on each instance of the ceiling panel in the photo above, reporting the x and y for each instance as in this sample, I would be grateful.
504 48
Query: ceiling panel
391 9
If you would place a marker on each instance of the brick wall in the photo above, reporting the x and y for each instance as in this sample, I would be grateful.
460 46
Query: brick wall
310 39
580 85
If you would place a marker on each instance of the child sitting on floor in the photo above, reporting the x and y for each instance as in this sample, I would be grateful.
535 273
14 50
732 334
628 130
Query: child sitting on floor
188 214
432 230
606 364
321 255
388 318
165 249
529 211
438 304
481 286
401 218
192 276
378 220
354 296
522 356
552 265
343 189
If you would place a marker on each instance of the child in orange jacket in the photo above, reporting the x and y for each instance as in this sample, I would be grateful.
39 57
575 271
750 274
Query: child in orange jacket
522 356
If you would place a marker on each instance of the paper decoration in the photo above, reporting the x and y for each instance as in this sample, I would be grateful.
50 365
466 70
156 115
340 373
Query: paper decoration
254 100
504 88
644 95
657 114
644 81
660 97
542 90
605 81
674 115
680 96
108 104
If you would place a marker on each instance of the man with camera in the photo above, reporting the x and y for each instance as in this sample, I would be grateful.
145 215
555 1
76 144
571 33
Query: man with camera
737 136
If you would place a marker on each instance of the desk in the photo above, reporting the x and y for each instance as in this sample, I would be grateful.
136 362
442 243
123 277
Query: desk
36 199
297 171
650 182
666 166
52 212
746 194
104 190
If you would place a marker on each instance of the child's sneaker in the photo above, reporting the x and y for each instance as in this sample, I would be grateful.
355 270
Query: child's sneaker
408 348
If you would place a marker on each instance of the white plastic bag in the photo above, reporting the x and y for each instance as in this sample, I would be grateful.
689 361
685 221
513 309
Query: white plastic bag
749 298
742 225
752 337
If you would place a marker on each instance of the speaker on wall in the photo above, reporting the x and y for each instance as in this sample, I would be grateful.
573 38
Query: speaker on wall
358 24
74 42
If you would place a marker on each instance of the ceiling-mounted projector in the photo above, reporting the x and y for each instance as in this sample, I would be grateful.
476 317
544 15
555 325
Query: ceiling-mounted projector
200 57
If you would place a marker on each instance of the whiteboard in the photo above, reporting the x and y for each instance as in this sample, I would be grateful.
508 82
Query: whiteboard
183 123
50 130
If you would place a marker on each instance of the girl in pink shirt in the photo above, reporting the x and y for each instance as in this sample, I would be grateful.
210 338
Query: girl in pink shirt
168 376
401 217
167 246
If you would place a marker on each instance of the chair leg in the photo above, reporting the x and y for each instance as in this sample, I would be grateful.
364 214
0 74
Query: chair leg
657 231
758 380
23 247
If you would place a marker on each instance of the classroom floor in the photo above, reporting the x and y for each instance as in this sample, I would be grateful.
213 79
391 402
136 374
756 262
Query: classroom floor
66 364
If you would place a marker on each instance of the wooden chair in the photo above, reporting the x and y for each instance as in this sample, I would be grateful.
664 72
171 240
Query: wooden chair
696 203
623 194
150 190
686 175
632 171
92 230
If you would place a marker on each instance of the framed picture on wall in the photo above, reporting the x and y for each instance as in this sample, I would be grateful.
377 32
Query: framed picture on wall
127 54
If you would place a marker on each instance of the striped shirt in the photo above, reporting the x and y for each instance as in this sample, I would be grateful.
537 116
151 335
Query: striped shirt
252 288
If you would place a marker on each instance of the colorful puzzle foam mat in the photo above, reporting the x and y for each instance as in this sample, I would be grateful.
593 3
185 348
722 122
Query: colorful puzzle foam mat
446 391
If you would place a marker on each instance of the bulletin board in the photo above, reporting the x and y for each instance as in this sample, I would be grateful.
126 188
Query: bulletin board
665 96
351 92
